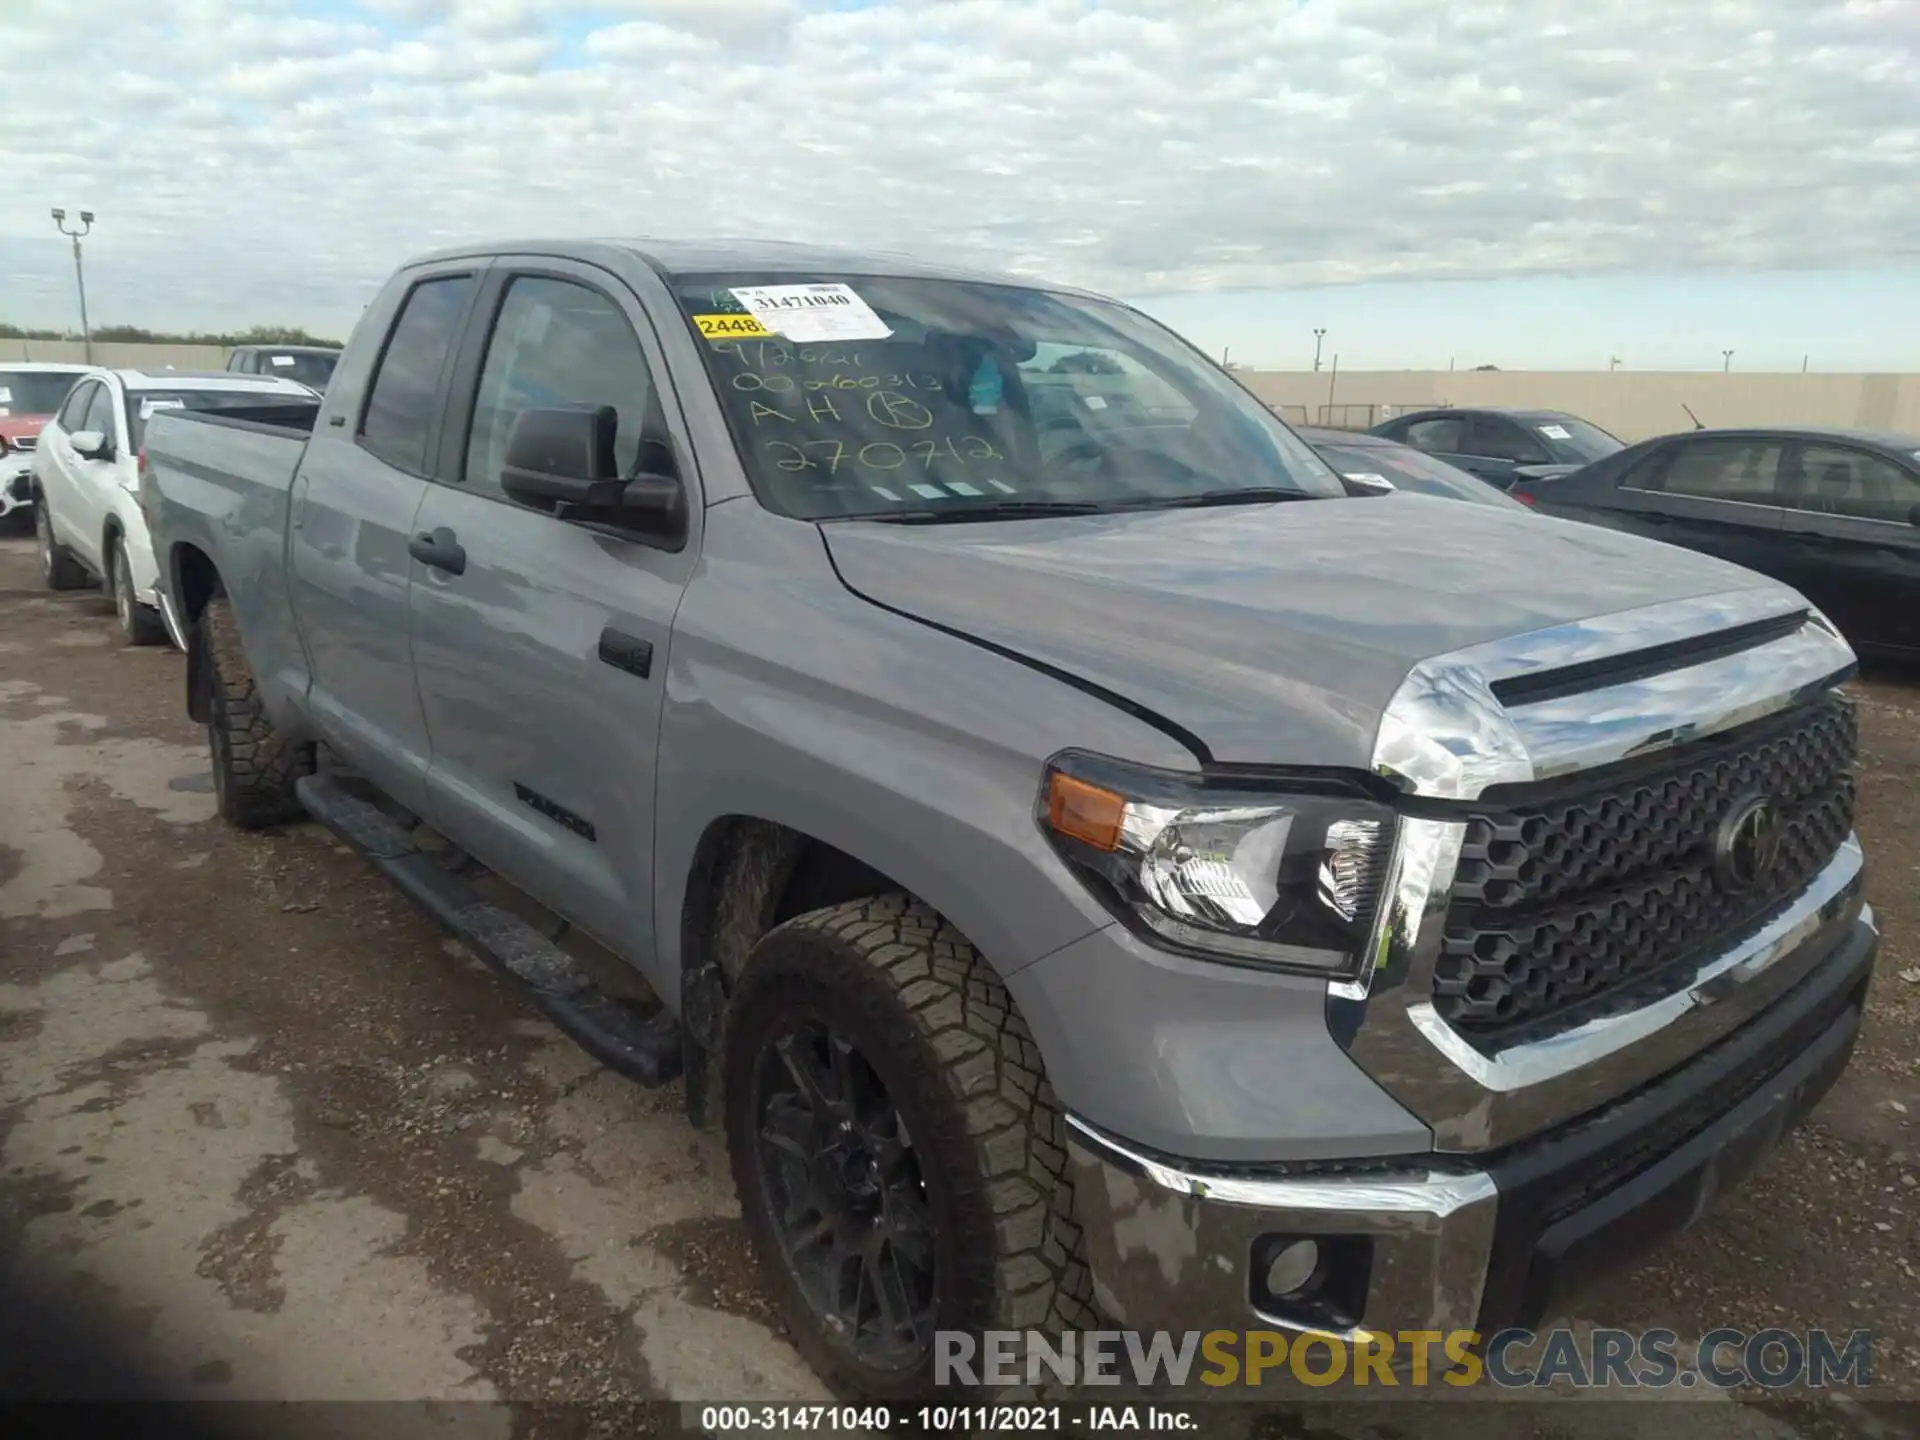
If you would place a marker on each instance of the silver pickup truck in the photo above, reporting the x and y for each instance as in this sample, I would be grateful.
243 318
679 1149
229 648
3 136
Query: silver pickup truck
1100 869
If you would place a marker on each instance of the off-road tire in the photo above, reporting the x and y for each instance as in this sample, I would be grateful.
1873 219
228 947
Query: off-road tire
58 568
254 769
938 1027
138 623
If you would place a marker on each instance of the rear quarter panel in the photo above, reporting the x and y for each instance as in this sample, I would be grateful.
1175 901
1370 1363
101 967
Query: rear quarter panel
224 489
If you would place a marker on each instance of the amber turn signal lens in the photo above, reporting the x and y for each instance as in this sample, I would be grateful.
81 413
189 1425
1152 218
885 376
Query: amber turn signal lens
1085 812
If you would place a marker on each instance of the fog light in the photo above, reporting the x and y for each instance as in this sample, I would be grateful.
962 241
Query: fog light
1293 1269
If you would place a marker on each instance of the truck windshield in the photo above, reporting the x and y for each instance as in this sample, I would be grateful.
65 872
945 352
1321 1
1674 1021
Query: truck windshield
35 392
870 395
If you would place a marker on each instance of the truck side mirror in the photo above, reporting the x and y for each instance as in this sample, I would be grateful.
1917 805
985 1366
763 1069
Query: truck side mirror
562 461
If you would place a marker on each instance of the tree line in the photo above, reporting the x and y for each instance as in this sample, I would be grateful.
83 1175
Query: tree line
134 334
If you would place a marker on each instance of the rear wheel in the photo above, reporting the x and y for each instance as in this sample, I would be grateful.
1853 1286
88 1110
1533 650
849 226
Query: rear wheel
899 1154
58 568
254 769
138 623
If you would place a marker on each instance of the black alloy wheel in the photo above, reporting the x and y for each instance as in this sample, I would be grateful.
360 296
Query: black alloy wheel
845 1193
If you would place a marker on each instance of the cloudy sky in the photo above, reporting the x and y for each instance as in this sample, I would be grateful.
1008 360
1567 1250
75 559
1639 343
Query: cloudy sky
1423 178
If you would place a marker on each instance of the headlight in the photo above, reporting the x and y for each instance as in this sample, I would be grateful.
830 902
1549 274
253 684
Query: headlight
1286 876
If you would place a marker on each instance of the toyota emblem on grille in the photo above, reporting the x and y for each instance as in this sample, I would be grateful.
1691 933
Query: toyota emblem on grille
1748 843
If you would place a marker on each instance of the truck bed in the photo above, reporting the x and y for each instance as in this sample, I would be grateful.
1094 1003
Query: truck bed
211 461
218 482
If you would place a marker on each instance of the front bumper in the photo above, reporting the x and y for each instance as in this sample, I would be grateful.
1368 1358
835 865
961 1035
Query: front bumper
1444 1242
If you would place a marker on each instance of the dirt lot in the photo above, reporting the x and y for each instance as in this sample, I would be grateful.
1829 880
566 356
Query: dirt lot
275 1137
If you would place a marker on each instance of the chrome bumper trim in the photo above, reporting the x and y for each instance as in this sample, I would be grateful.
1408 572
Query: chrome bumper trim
1186 1240
1446 736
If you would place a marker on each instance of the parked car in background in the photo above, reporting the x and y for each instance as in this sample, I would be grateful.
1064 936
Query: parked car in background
1834 513
1373 465
30 392
311 365
1502 446
86 477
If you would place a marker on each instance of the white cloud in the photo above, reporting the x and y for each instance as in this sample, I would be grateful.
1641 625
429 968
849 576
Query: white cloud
644 41
730 19
248 163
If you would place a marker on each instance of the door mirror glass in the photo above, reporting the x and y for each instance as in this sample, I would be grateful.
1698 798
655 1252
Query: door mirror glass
89 444
563 461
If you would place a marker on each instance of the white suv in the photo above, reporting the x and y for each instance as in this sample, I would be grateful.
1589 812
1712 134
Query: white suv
86 471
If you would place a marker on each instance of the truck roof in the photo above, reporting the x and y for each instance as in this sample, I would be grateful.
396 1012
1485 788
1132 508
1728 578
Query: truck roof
695 257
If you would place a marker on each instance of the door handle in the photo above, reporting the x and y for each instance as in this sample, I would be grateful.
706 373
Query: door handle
439 549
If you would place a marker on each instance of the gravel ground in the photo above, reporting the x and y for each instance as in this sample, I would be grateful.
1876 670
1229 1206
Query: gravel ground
272 1136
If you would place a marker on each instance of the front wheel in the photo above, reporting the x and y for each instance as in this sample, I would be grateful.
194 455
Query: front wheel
899 1154
138 624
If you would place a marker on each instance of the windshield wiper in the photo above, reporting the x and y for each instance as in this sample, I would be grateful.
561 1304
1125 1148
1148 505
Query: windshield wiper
1242 495
996 510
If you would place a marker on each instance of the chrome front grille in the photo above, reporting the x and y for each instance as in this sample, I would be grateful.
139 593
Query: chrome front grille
23 442
1579 894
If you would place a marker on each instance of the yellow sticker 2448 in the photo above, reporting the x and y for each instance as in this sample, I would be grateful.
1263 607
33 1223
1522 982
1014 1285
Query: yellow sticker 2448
731 327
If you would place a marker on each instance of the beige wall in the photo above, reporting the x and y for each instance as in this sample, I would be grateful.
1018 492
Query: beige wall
1631 404
118 355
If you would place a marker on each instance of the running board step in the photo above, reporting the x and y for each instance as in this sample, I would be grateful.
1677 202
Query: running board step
646 1049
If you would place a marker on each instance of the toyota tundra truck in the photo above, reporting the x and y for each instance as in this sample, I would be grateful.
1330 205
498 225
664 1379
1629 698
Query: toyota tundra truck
1095 871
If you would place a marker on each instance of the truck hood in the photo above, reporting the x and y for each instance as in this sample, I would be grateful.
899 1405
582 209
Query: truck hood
20 427
1269 634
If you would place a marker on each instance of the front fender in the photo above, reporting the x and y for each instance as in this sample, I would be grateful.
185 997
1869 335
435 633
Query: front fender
792 700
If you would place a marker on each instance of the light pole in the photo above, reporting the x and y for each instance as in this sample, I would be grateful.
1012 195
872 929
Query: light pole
79 275
1726 361
1318 336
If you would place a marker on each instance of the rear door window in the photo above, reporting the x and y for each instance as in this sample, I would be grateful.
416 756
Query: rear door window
402 401
1500 439
1839 480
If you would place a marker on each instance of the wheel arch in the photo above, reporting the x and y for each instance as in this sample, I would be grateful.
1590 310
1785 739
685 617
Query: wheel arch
750 874
193 580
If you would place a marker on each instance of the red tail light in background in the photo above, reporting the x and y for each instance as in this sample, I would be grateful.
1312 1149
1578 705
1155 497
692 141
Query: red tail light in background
1521 495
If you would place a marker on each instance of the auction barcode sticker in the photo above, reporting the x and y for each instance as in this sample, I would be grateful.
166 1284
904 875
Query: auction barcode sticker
808 313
